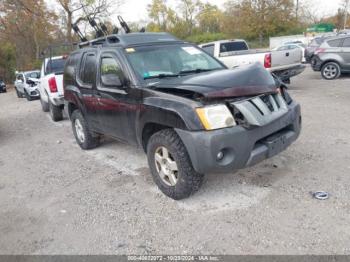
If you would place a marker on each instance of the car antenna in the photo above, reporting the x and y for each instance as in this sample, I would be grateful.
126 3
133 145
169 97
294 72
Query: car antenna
78 32
124 25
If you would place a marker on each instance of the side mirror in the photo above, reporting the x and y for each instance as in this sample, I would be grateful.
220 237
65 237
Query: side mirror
112 80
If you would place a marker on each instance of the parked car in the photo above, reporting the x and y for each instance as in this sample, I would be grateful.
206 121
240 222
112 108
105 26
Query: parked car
188 111
291 46
26 85
233 53
332 58
51 86
315 43
2 87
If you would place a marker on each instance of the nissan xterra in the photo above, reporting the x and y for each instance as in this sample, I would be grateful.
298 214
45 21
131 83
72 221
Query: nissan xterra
188 111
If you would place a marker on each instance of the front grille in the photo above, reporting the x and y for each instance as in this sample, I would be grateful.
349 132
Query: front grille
261 110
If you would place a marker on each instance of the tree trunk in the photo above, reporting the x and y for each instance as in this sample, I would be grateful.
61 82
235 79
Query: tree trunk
69 26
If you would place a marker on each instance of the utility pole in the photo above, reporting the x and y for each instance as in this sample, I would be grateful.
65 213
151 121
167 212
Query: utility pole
346 13
297 10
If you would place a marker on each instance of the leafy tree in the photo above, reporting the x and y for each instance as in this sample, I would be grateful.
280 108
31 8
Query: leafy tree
80 9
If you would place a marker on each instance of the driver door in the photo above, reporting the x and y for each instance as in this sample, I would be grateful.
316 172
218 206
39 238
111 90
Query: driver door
118 102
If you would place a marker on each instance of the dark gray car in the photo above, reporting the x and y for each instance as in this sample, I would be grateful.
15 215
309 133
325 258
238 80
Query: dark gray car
332 58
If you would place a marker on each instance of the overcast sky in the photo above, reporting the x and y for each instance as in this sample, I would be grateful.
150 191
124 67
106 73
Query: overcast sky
136 10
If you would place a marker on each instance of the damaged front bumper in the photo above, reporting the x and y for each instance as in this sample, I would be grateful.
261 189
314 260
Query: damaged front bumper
239 147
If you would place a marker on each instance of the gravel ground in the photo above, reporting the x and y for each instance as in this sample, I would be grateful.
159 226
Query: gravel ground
58 199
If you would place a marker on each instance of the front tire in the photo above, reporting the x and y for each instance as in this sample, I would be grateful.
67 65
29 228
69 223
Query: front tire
171 166
330 71
55 112
84 137
28 97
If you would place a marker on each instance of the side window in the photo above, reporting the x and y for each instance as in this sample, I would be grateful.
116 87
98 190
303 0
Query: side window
88 69
111 72
346 42
209 49
334 43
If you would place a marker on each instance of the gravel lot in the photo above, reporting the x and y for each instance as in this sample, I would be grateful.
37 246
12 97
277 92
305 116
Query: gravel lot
58 199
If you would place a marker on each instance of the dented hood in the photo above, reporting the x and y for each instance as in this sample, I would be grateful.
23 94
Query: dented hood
242 81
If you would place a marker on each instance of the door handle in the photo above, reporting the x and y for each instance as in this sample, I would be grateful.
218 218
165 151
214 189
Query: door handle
287 54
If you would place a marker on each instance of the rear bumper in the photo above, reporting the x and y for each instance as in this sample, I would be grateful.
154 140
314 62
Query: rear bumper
290 72
316 63
241 147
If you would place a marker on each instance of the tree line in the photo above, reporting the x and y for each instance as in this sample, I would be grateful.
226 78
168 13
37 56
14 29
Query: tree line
28 26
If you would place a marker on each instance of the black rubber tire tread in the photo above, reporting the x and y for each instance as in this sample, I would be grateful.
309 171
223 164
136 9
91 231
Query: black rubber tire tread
189 181
56 112
91 141
44 105
19 95
28 97
338 69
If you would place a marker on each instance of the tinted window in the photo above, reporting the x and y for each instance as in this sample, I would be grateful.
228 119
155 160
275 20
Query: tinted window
110 67
55 66
88 69
209 49
70 67
346 42
233 46
334 43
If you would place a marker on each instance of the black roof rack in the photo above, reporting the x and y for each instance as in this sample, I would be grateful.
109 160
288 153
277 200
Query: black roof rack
130 39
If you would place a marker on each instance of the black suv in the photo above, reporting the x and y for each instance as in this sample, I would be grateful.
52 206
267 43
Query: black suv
189 112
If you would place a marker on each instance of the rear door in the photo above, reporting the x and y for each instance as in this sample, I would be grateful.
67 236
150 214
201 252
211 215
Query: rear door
346 53
118 105
86 79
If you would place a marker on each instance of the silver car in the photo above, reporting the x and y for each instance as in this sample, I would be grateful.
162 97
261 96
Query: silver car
332 58
26 85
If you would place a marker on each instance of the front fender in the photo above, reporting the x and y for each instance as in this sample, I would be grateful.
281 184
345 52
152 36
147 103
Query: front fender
167 112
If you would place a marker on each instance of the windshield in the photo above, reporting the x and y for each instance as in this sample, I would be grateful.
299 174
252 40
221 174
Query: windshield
170 60
55 66
33 75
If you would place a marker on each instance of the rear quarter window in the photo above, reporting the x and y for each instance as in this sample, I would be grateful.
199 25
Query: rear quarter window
233 46
346 42
55 66
71 67
334 43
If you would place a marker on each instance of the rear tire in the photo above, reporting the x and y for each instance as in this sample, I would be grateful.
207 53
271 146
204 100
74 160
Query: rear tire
84 137
171 166
55 112
44 105
19 95
330 71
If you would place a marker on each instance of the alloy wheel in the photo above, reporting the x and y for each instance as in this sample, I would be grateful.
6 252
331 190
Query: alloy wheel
79 130
166 166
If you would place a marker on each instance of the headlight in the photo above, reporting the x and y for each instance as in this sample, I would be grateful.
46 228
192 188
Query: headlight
215 117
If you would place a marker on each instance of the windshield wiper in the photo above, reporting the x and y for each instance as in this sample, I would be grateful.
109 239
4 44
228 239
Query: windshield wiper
196 71
161 76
